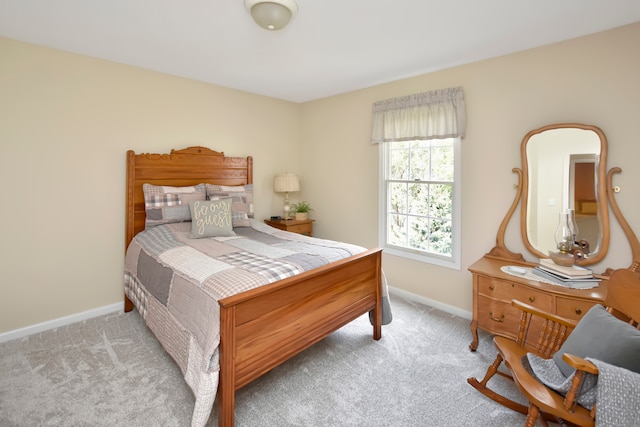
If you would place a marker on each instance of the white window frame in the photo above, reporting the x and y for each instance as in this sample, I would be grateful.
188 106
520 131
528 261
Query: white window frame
452 261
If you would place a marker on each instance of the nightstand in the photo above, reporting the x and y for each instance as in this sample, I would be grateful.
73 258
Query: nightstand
301 227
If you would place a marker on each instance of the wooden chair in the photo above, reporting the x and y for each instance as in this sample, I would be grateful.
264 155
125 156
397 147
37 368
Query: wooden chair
623 301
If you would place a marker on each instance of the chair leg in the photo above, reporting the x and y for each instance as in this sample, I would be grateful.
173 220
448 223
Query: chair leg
492 370
532 417
481 386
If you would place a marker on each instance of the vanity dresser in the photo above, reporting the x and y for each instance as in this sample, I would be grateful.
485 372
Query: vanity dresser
493 290
553 159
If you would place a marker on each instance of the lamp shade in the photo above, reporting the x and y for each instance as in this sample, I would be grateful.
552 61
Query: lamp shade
286 182
273 14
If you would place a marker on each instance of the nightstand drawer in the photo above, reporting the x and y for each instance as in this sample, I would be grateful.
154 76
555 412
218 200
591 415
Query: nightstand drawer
295 226
300 229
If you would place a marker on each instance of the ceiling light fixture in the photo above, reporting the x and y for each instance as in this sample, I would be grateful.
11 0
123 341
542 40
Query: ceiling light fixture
273 14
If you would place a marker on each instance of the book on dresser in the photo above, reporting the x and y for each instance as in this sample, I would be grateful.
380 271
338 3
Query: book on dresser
575 276
573 282
573 271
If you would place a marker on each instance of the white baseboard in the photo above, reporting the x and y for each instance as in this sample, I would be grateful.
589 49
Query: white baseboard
62 321
430 302
79 317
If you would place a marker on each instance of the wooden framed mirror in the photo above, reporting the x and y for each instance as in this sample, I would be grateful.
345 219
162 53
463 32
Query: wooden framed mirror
564 167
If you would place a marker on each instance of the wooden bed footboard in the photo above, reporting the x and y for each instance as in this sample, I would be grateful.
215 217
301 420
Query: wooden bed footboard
264 327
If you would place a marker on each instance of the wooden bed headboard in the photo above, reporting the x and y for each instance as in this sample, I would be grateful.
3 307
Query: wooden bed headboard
189 166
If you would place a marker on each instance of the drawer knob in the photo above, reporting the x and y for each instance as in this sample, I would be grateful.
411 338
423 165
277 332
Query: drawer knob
578 311
532 299
496 319
491 287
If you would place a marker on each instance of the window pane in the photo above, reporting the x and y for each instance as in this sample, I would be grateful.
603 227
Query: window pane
419 233
440 238
441 202
399 164
420 164
419 199
398 197
397 234
442 163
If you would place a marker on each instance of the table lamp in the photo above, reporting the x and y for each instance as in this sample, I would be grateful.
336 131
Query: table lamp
286 183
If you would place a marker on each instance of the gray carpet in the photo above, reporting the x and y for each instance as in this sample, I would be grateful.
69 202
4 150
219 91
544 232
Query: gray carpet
110 371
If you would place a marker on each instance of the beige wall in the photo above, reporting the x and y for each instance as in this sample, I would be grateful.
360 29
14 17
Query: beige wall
66 121
591 80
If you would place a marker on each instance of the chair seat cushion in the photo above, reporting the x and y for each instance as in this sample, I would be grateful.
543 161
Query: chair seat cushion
547 371
600 335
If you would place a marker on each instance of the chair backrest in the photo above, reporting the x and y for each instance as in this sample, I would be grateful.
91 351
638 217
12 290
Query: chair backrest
623 296
542 335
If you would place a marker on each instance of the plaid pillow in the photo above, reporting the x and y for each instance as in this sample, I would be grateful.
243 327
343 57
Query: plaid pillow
242 200
164 204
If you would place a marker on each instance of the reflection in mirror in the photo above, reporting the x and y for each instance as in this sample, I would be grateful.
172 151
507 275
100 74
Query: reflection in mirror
563 170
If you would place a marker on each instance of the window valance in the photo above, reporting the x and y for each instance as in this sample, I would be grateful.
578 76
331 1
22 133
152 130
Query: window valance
436 114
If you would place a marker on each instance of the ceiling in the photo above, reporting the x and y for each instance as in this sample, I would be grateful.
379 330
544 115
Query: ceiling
329 47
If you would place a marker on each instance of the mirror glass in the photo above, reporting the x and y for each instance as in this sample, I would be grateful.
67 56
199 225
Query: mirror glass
564 170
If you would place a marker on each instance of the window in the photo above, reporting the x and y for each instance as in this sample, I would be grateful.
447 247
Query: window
419 137
420 203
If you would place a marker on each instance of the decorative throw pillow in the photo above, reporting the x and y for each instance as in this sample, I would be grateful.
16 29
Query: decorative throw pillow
242 196
238 219
601 336
164 205
211 218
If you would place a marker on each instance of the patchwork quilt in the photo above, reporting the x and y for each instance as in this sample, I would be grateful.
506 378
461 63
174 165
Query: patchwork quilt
175 282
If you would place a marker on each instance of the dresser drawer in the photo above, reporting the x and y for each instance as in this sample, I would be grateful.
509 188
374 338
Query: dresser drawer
501 318
505 291
498 317
572 308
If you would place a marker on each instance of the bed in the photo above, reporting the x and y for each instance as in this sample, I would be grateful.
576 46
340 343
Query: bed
223 340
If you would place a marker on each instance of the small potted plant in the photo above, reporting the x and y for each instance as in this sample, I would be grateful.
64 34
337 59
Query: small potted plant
301 209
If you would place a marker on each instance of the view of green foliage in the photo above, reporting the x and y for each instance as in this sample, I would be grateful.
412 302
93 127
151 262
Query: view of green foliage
420 195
